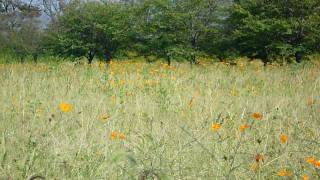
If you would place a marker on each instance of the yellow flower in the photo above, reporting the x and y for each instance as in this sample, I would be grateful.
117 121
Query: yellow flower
215 127
65 107
113 135
122 82
233 92
122 136
256 116
241 65
129 94
101 65
114 99
99 152
283 138
283 173
243 127
191 102
104 117
254 166
305 177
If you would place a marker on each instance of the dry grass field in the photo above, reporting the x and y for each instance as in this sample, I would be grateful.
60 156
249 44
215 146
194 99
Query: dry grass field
134 120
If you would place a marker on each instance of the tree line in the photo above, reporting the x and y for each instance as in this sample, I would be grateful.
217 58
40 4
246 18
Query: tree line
169 29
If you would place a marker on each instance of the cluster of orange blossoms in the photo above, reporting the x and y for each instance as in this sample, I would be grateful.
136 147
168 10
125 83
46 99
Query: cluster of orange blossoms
260 158
114 135
313 161
216 126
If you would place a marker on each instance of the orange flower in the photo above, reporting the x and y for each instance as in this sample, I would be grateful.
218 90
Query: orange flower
311 160
256 116
104 117
259 158
283 173
64 107
283 138
122 136
243 127
317 164
215 127
310 101
113 135
305 177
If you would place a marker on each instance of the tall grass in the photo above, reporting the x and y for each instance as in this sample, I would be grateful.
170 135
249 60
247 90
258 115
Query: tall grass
165 117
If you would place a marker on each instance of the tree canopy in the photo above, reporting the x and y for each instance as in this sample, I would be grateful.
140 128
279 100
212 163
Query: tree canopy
273 29
169 29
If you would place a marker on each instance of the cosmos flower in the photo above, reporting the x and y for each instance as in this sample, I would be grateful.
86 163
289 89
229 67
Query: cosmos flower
215 127
65 107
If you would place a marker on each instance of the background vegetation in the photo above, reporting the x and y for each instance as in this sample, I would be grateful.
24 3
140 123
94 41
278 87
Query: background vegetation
169 29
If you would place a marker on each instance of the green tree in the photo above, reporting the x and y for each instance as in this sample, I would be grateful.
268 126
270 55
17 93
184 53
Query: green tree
199 25
19 28
175 29
27 41
89 30
274 29
157 28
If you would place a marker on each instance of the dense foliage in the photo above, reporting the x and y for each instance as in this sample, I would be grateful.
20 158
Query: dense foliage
273 29
170 29
19 28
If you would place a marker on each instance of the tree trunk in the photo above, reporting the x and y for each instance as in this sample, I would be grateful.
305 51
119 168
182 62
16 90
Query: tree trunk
90 57
265 62
107 56
264 57
21 59
193 59
35 57
298 57
147 58
168 61
194 39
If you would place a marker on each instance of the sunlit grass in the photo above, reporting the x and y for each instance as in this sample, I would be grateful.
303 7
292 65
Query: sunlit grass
135 120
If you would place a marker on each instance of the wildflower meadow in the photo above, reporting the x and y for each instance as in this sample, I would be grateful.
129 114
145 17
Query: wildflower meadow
137 120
